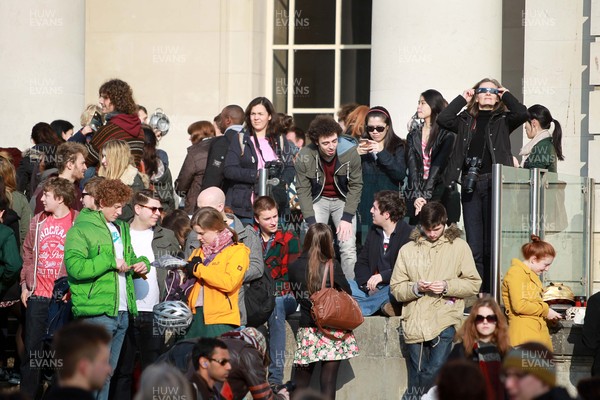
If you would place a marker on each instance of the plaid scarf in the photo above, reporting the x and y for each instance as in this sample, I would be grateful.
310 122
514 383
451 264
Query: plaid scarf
210 250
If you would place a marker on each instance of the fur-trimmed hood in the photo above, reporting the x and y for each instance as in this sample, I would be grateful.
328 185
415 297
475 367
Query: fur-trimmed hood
450 233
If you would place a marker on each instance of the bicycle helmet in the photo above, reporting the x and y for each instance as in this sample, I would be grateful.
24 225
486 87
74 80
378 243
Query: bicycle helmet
172 314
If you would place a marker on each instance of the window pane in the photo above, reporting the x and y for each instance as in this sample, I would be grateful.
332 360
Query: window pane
303 121
280 87
314 22
280 24
356 21
313 83
356 76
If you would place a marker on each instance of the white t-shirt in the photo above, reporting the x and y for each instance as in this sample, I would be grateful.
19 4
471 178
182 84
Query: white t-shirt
147 294
118 245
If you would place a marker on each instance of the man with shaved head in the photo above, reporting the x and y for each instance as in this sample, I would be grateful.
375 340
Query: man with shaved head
215 198
232 121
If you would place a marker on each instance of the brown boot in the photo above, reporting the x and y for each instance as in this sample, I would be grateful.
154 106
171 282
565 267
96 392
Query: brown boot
391 310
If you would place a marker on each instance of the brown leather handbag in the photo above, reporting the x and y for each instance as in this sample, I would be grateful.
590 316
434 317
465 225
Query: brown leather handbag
332 308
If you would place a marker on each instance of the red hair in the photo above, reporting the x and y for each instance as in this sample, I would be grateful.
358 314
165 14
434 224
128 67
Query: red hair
537 248
468 331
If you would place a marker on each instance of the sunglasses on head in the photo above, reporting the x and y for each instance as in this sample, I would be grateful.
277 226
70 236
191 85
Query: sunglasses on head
490 90
492 319
379 129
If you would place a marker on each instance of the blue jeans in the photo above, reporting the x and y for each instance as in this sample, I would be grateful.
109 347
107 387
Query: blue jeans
116 327
424 362
284 306
477 217
369 305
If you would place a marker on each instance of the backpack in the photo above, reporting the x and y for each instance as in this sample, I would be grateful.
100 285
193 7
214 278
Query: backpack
178 285
259 299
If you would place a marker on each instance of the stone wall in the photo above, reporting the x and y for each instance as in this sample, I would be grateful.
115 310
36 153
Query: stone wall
380 370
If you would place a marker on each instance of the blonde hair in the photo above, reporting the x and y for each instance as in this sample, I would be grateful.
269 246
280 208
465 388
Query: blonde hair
88 113
118 158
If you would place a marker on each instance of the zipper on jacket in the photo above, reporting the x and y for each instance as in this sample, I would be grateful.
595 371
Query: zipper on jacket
229 301
317 173
347 165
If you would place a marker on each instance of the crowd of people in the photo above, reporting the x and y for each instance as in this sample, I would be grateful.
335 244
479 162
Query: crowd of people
110 266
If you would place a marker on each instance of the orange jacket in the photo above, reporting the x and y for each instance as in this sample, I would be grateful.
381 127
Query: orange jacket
221 279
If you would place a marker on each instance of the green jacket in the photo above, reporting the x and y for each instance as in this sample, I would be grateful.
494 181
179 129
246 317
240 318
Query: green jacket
91 266
543 155
310 180
10 259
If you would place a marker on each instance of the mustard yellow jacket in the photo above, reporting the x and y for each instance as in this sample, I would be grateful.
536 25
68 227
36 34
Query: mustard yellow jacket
222 279
526 311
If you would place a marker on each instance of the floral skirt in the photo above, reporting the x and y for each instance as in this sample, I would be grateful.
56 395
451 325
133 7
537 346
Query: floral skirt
313 346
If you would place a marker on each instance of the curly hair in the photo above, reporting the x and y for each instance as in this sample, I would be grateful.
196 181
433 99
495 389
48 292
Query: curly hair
120 94
61 188
323 125
112 191
468 331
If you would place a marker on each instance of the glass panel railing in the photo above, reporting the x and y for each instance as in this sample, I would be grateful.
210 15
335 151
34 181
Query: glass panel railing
563 224
515 215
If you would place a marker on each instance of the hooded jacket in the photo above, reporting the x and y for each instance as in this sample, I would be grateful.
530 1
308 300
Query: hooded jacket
426 315
252 241
30 250
91 266
310 180
125 127
222 279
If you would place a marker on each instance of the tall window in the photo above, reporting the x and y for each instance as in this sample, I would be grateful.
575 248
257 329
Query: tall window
321 56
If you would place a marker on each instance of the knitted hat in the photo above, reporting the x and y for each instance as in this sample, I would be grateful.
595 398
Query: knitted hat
255 338
535 359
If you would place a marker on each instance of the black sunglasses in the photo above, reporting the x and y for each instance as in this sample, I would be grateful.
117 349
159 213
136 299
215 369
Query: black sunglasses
376 128
492 319
85 194
154 209
222 362
487 90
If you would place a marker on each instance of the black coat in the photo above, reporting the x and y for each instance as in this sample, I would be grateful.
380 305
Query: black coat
298 275
372 259
591 330
215 163
499 128
440 152
241 170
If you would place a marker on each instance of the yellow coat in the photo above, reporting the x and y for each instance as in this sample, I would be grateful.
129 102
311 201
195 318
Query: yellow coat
522 295
222 279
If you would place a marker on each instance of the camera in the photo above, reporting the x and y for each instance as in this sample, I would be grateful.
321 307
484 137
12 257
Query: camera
274 168
96 121
474 164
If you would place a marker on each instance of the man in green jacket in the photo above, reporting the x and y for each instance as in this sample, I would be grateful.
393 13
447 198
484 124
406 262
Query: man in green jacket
101 265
